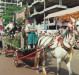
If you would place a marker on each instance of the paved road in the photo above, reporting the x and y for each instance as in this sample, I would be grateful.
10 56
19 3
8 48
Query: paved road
7 66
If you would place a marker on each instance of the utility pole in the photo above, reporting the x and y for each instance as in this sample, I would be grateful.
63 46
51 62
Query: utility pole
5 6
17 2
44 9
44 24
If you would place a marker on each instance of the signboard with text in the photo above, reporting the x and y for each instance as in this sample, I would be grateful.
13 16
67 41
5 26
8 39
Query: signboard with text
20 15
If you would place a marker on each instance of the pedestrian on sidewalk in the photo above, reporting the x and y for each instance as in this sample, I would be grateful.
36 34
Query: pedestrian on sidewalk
0 43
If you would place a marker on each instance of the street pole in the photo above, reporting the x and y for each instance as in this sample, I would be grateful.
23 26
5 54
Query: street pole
17 2
56 23
44 12
5 6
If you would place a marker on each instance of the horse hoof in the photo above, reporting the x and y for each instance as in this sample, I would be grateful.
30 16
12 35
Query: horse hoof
37 70
44 72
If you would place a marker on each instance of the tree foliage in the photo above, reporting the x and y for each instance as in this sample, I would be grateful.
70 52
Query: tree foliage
9 13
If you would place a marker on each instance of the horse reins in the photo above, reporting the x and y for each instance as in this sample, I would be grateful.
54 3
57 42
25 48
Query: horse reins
71 36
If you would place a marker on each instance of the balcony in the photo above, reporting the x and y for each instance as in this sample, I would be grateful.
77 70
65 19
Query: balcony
50 8
1 10
2 6
35 2
8 3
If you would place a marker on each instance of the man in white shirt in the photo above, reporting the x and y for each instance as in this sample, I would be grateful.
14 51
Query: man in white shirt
30 31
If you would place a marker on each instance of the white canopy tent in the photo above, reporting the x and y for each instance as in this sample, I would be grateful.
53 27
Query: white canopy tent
63 12
64 15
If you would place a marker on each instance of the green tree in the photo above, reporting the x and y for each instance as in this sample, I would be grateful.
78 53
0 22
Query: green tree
9 13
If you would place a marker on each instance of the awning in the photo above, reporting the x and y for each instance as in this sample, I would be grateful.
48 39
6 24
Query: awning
70 11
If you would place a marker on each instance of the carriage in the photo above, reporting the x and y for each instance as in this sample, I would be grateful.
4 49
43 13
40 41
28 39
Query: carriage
63 45
16 44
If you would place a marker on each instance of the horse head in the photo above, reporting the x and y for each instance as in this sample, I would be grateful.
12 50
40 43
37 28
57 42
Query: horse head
70 33
73 25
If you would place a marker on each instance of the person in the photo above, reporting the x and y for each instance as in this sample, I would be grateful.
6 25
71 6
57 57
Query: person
1 43
10 26
32 37
16 33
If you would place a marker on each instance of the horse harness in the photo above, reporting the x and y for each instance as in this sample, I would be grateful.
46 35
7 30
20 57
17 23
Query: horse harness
63 46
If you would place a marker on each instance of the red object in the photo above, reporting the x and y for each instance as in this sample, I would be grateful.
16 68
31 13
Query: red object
23 21
22 29
68 27
58 40
8 52
34 52
1 27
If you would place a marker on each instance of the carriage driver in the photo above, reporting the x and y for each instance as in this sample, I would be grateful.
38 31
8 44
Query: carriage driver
30 32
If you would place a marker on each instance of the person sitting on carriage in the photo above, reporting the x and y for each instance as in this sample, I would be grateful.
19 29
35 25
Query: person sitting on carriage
30 32
10 26
16 33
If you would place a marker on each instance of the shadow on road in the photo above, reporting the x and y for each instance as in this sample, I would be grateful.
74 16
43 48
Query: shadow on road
53 71
26 63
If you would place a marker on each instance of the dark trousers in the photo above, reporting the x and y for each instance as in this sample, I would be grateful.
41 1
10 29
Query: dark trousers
0 44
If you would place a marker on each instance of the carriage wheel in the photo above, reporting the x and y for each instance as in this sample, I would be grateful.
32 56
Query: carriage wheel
15 59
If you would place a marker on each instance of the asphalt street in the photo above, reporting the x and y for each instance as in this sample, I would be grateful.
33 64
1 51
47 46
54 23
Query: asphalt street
26 67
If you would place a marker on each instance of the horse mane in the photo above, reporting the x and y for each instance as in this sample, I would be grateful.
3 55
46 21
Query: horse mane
66 34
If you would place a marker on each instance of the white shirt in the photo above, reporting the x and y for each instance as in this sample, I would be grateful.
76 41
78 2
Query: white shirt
28 27
10 25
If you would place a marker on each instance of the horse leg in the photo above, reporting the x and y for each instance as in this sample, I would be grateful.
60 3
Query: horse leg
44 70
58 65
37 61
68 66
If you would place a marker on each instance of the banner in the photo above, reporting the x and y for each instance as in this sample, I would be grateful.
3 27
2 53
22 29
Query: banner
1 27
20 15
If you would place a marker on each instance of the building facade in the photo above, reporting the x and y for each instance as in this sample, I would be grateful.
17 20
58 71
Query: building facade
39 9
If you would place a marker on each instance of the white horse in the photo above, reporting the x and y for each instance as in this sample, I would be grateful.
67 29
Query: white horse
60 48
